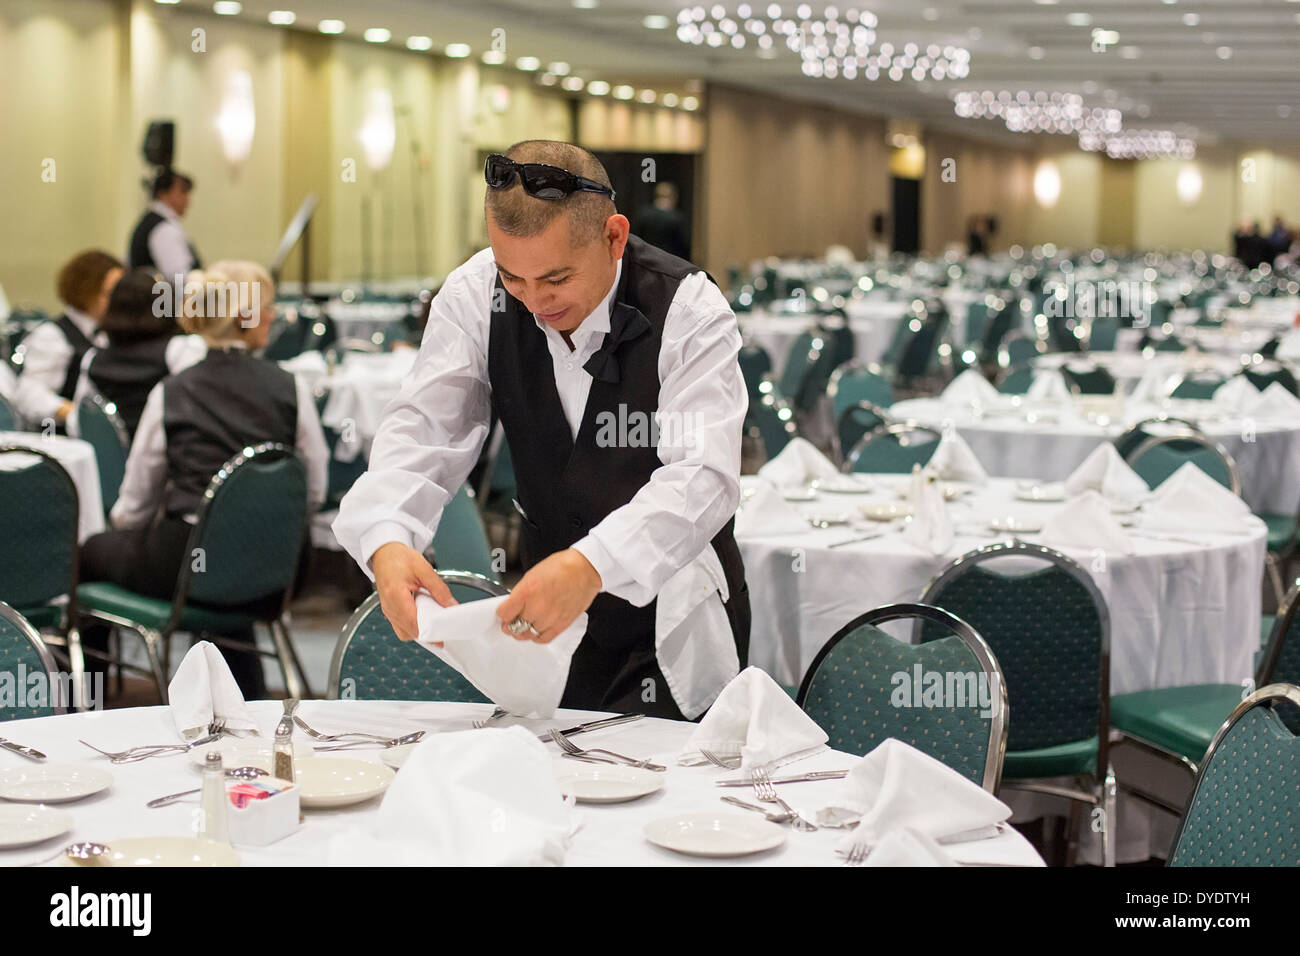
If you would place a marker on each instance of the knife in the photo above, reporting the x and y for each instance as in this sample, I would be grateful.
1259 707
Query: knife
27 752
801 778
592 725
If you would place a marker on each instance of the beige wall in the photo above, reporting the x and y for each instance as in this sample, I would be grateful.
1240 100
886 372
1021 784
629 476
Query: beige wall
621 125
1115 225
1268 185
981 179
1161 221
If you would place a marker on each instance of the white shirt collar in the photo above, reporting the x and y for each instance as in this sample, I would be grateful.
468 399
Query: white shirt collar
595 323
81 320
164 210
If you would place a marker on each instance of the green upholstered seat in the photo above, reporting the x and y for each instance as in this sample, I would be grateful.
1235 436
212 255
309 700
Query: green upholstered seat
855 383
461 541
1281 529
857 422
154 613
1059 760
1181 720
99 424
799 373
1017 381
894 450
1154 462
773 419
1091 381
22 653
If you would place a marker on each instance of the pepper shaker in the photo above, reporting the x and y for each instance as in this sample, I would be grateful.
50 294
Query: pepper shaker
214 820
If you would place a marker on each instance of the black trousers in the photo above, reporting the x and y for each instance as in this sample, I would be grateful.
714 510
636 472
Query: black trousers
148 561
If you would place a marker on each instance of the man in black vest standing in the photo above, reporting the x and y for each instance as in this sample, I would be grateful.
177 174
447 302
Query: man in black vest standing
612 368
159 242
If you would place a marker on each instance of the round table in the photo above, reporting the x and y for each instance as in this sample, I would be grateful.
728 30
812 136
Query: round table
610 835
361 320
1023 438
872 322
1129 368
75 455
359 390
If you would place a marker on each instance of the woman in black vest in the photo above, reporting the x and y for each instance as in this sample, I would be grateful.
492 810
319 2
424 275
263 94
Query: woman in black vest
144 346
192 423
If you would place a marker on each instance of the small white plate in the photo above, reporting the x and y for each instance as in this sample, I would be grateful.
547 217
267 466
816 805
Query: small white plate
396 756
845 484
246 752
24 826
608 784
885 512
162 851
714 834
56 783
799 494
1040 491
1012 523
339 781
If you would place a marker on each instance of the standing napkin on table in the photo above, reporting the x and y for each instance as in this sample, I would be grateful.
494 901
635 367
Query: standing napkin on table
1086 522
798 463
1275 402
1105 471
754 719
898 787
953 460
766 512
524 677
474 798
930 527
970 388
1236 394
1189 500
204 689
1048 386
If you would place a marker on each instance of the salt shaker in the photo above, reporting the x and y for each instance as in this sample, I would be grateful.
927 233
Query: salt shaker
282 763
214 821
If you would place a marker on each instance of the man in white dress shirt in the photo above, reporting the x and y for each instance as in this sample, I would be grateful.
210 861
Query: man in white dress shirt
612 368
159 242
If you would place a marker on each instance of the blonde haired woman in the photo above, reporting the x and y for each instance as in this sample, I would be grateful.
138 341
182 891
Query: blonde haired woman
192 423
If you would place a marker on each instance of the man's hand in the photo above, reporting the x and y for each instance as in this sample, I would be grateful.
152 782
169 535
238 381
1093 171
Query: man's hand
551 596
399 573
63 411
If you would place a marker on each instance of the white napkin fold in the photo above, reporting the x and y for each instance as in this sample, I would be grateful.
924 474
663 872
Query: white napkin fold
1105 471
907 847
766 512
1236 394
970 388
897 786
754 719
797 464
930 527
474 798
524 677
203 688
1275 402
1048 386
1086 522
953 460
1189 500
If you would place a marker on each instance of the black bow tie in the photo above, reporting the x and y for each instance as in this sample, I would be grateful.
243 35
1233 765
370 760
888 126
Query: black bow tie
625 324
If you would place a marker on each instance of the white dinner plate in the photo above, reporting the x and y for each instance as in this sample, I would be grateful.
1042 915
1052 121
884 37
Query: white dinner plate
56 783
608 784
339 781
845 484
714 834
246 752
1014 523
24 826
799 494
396 756
886 512
162 851
1040 491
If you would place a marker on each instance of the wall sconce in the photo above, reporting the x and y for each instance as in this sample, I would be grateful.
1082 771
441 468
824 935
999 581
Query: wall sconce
378 134
238 118
1047 184
1189 184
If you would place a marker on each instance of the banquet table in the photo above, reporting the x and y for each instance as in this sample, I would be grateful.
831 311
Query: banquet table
1027 438
609 835
75 455
872 322
359 389
361 320
1129 368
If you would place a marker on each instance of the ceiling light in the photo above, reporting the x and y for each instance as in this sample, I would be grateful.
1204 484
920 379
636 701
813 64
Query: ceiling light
547 79
457 51
559 68
378 35
670 99
1191 19
281 18
227 8
1130 52
655 21
690 103
1224 53
930 13
573 84
585 4
1047 184
493 57
330 26
1189 184
167 2
597 87
623 92
1284 111
1078 19
419 43
528 63
646 96
1037 53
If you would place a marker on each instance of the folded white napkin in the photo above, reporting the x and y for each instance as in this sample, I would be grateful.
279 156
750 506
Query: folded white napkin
930 527
1189 500
907 847
524 677
1275 402
754 719
473 798
797 464
953 460
1105 471
1236 394
203 689
897 786
766 512
970 388
1086 522
1048 386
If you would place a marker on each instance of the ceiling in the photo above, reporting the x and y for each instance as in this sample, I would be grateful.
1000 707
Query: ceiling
1231 74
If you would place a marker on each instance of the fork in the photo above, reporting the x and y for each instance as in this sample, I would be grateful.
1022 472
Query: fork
771 816
766 793
569 747
152 750
726 763
383 742
330 738
497 714
857 854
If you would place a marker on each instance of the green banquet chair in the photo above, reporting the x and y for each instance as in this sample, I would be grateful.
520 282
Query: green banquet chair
770 421
1160 456
22 654
461 540
99 423
893 449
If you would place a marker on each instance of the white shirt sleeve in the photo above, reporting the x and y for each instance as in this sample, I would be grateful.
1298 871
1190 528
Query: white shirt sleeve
431 433
45 363
184 351
170 250
310 444
146 468
702 405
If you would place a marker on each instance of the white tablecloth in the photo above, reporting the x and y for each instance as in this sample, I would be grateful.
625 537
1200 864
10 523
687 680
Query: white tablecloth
1128 368
872 322
1059 438
610 835
359 391
78 457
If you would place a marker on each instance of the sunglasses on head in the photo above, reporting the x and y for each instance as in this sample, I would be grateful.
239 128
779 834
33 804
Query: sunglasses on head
538 179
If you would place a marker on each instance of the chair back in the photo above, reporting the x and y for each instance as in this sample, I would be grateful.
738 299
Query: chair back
804 378
1018 349
772 420
920 355
99 424
1102 334
1131 440
945 697
1050 630
755 364
1160 456
461 541
22 654
854 382
39 515
1242 810
1197 385
893 449
1017 381
1093 380
856 422
1003 321
371 663
1280 661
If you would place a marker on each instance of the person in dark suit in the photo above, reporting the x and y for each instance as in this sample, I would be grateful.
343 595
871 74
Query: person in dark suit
662 223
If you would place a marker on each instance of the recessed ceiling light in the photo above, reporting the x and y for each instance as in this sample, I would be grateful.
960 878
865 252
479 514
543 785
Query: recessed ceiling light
655 21
168 3
597 87
1284 111
548 79
378 35
559 68
930 13
585 4
1191 19
281 18
419 43
1047 3
670 99
227 8
528 63
1078 19
457 51
493 57
573 84
624 92
1130 52
1037 53
330 26
690 103
1224 53
646 96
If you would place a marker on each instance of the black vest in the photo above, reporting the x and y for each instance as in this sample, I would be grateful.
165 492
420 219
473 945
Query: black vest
138 255
567 486
80 346
125 374
211 411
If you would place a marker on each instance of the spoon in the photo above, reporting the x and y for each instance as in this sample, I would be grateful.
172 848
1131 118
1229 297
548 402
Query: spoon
85 851
239 773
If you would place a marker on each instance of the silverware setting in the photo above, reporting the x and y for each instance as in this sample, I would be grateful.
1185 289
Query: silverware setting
766 793
771 816
591 756
145 751
237 773
29 752
330 738
726 763
800 778
497 714
857 854
591 725
384 742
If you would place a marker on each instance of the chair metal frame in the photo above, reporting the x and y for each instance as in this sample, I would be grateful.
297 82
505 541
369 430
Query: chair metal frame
156 641
1104 793
772 398
863 406
852 367
1155 441
968 635
897 430
368 606
1264 695
33 637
